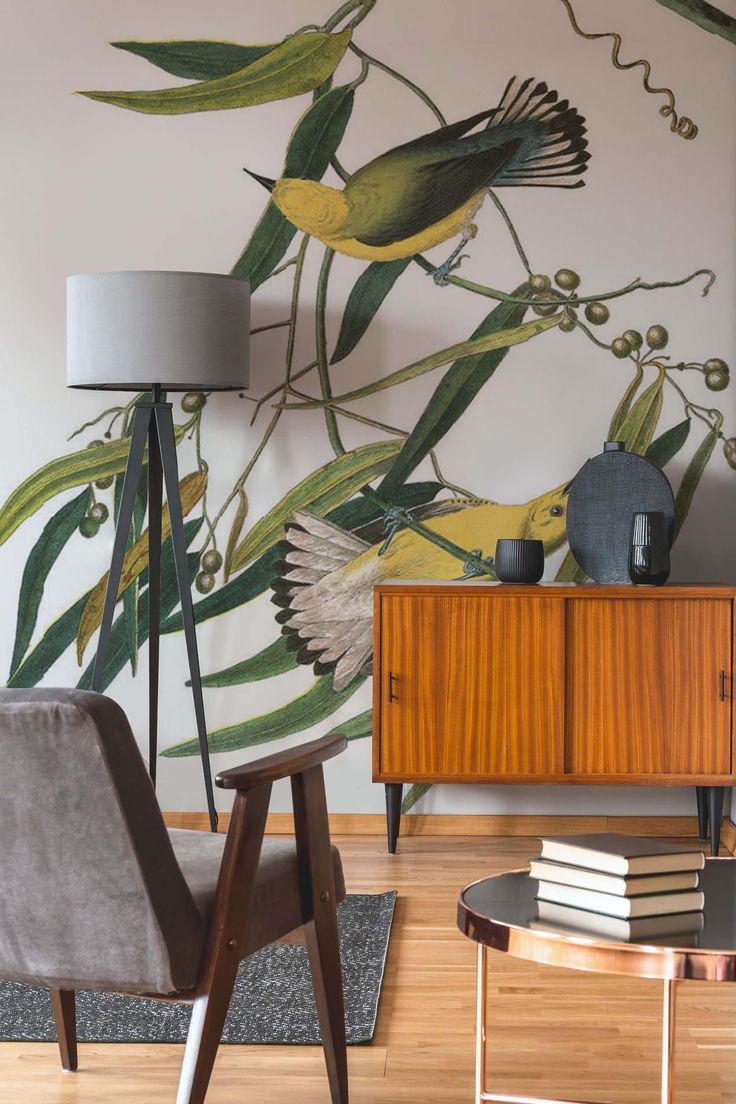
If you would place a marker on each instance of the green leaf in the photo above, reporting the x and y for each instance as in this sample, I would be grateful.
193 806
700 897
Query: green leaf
275 659
317 703
356 728
451 398
313 142
369 291
197 59
705 15
419 789
50 647
117 653
61 475
691 479
504 339
298 65
328 486
668 444
132 592
570 571
42 558
256 579
637 428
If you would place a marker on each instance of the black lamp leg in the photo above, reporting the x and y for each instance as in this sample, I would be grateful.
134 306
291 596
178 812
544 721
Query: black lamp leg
141 420
167 444
154 591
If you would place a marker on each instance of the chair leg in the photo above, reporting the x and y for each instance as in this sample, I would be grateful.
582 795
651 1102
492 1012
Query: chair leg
324 962
203 1040
319 900
63 1004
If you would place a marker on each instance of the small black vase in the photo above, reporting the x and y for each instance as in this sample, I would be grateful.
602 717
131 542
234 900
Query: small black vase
649 554
519 561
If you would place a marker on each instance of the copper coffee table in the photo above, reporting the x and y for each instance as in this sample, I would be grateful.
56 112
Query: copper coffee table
500 913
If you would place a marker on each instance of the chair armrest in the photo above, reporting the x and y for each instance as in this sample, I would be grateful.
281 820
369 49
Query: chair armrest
283 764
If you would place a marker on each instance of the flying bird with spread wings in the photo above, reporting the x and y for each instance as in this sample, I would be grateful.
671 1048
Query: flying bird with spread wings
428 190
324 581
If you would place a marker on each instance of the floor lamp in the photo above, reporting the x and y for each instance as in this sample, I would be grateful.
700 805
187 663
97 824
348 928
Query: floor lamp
157 331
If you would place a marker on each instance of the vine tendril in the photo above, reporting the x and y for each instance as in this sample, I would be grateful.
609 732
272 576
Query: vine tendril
679 124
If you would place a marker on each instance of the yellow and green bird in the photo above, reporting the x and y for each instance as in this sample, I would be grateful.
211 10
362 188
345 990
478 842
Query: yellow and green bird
426 191
325 580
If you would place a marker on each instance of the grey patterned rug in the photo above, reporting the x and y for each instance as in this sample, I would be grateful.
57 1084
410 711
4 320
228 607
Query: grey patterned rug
273 1000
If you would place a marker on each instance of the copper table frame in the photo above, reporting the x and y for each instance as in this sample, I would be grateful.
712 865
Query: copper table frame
587 953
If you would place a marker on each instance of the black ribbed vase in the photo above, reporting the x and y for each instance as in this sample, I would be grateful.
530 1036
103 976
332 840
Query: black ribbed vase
649 554
519 561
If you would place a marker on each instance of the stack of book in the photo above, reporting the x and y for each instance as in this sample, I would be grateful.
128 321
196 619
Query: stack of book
619 887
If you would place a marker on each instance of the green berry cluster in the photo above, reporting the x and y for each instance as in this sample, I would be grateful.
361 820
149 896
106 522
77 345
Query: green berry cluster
211 564
717 375
193 401
96 516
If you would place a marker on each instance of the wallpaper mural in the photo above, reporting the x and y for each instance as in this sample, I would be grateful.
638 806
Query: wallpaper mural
364 515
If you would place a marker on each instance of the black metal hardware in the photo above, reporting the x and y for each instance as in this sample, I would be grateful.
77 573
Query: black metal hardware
722 684
391 695
153 424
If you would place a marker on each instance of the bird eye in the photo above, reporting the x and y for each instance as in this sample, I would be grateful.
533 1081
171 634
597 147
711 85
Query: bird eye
556 511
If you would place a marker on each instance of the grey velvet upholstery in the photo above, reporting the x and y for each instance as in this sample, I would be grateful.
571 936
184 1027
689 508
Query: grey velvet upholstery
276 908
92 893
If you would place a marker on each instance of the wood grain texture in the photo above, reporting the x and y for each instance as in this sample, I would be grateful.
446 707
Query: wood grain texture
552 1032
643 687
481 825
474 672
477 686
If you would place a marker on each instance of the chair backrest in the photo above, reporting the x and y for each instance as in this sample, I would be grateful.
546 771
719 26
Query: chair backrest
91 895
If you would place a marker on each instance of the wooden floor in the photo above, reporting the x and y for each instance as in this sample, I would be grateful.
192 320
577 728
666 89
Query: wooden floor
552 1032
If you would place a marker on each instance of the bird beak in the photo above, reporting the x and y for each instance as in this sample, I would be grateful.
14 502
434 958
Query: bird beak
266 181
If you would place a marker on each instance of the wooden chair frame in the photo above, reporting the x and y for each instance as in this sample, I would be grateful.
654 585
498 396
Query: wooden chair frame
229 918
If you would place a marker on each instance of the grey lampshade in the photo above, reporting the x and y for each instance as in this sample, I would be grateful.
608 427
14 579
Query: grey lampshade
187 331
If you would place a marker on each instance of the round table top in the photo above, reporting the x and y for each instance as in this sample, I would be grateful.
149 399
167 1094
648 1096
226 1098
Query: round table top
502 913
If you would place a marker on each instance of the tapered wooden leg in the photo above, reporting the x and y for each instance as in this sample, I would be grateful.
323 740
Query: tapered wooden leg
715 811
227 930
701 794
394 791
63 1004
317 880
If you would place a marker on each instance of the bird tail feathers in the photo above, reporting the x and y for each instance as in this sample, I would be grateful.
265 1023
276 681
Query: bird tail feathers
552 147
326 612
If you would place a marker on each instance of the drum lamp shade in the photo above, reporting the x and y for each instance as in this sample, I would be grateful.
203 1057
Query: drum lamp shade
187 331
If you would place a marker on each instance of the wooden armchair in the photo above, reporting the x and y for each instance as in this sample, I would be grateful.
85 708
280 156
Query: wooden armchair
121 904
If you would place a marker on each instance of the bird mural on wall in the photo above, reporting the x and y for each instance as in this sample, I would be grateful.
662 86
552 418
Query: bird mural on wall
428 190
324 582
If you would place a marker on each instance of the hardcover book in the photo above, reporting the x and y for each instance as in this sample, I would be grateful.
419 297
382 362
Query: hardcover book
632 886
610 904
611 853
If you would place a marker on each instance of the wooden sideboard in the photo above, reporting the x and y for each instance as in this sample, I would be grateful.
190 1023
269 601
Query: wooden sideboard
554 683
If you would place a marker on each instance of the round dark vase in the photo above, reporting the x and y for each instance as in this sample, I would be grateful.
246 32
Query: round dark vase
519 561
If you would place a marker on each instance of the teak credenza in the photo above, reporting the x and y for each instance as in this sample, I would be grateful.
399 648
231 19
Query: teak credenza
554 683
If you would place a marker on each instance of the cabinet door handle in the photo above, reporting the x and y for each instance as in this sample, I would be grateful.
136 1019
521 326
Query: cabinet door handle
721 684
391 695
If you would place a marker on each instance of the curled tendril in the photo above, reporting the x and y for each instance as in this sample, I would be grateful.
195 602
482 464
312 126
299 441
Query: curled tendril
679 124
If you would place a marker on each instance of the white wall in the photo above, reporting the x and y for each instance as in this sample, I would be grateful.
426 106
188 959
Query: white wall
89 187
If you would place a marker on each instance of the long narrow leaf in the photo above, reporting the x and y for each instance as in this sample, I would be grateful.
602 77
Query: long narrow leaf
454 394
198 59
357 728
275 659
369 292
418 790
298 65
50 647
691 479
637 428
705 15
668 444
313 142
322 490
624 406
44 554
317 703
504 339
570 570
